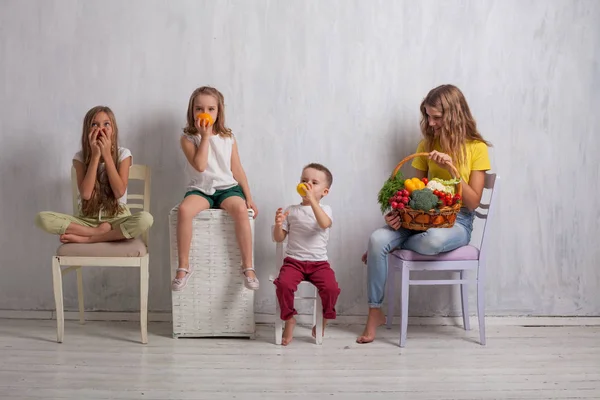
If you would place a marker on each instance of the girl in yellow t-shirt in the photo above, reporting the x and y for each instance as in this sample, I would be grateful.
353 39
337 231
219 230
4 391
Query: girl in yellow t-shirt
451 138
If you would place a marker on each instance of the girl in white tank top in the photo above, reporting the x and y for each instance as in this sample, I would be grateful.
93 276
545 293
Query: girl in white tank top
215 179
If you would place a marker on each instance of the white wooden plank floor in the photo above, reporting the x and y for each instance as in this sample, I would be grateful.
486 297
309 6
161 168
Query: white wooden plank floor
103 360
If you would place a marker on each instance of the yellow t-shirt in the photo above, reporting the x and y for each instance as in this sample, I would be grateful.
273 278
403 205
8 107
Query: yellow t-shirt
477 159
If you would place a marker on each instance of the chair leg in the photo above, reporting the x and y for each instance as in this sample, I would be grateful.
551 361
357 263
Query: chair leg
391 296
144 277
481 311
80 296
318 316
58 299
315 306
464 299
278 323
404 304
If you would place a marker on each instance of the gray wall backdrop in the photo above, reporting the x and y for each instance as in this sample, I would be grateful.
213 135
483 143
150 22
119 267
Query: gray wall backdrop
336 82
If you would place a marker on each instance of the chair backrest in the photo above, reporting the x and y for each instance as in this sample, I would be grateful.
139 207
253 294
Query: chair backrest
492 183
142 201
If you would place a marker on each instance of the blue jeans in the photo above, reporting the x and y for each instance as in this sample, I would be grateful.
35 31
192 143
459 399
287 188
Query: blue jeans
430 242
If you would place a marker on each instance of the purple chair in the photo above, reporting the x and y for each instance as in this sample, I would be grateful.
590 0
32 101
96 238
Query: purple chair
461 260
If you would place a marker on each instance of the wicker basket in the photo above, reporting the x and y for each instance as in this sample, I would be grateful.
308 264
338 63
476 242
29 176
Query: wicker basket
214 301
419 220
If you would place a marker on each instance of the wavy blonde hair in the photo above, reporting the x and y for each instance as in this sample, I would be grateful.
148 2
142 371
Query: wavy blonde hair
103 197
458 125
219 125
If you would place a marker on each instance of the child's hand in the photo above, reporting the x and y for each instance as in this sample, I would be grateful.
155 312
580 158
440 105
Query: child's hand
310 195
280 216
105 144
250 204
93 140
203 128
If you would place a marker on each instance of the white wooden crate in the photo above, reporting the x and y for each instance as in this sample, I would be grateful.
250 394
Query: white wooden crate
214 301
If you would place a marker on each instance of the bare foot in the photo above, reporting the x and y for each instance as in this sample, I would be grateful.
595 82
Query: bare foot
375 319
72 238
102 228
314 329
288 331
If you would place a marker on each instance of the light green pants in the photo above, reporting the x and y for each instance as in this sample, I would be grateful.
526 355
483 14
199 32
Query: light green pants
131 226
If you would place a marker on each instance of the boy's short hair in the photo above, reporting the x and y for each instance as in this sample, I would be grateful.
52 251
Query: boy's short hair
322 168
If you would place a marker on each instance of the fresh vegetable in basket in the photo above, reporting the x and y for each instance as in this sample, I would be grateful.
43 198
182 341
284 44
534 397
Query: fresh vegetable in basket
414 184
390 188
447 199
423 199
399 200
443 185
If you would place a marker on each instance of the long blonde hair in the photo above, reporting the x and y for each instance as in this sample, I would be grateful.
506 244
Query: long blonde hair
103 197
458 125
219 125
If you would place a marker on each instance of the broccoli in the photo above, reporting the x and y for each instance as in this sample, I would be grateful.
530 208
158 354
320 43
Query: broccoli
423 199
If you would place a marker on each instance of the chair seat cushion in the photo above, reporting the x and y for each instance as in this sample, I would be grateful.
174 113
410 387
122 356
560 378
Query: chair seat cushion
123 248
461 254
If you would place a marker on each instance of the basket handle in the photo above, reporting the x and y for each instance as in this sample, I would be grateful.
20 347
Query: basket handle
410 157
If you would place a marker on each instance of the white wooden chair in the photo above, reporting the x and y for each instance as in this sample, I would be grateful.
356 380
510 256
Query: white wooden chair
317 306
127 253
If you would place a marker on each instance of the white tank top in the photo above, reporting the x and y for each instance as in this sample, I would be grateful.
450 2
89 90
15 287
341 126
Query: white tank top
217 175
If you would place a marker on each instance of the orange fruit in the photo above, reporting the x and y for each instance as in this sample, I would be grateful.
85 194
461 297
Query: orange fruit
205 119
301 189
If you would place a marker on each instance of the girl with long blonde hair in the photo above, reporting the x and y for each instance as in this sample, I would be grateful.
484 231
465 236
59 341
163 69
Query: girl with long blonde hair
102 169
451 138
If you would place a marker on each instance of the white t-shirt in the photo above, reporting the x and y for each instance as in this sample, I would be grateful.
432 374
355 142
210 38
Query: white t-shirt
123 154
307 241
218 174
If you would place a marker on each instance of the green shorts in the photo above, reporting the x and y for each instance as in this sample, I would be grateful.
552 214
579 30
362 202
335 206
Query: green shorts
215 199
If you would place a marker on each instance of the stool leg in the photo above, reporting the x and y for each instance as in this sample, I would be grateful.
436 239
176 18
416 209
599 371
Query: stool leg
80 296
391 298
58 299
318 316
464 299
404 304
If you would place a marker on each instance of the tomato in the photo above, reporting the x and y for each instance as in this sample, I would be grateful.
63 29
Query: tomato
394 205
425 181
405 193
401 205
399 193
405 200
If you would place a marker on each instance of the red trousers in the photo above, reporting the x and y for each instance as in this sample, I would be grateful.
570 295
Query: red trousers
319 273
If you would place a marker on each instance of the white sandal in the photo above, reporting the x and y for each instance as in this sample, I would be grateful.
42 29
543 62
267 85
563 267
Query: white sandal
250 283
179 283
